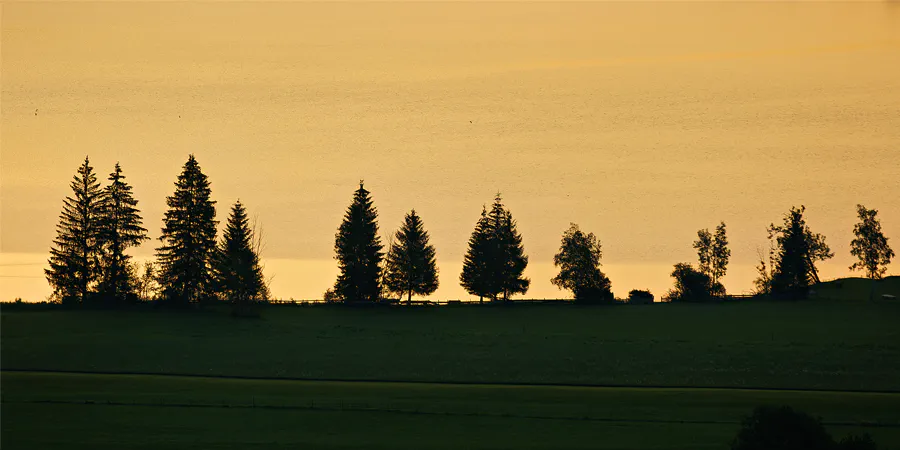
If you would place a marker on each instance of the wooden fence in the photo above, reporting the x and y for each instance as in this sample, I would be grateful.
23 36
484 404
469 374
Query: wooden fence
452 302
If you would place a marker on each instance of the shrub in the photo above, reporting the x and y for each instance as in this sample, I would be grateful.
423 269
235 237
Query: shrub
782 428
331 296
693 286
857 442
640 296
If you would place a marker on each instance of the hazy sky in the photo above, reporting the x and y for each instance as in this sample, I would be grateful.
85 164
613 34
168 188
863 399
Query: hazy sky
641 122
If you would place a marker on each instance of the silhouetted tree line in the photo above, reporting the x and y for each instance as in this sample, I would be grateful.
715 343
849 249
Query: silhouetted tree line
89 263
89 266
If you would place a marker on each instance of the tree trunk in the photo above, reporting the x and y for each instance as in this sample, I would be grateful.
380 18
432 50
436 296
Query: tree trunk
812 268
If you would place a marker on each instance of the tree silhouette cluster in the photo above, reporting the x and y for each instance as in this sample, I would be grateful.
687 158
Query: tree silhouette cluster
495 261
97 226
88 263
88 258
702 284
794 251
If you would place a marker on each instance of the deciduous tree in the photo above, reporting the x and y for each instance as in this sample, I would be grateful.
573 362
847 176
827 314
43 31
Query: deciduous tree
720 254
704 247
579 267
692 285
713 252
870 245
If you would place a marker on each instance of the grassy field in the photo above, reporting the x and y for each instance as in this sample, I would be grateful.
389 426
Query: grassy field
141 411
857 289
805 345
663 352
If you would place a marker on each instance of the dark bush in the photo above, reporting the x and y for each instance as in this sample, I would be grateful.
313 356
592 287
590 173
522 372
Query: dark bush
693 286
640 297
781 428
593 295
857 442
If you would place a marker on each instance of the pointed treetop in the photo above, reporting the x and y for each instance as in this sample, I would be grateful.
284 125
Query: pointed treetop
85 166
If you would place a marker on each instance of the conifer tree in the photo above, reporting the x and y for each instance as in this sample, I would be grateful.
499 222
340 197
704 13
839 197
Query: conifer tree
238 274
411 260
511 260
189 238
798 249
120 228
496 259
74 262
474 277
358 251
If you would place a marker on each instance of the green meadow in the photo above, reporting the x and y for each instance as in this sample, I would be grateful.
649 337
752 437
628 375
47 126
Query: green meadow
662 376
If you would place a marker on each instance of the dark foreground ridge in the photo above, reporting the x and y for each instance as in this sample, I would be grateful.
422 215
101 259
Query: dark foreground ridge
449 383
361 407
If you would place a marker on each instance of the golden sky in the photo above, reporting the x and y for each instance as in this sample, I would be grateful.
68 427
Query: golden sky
642 122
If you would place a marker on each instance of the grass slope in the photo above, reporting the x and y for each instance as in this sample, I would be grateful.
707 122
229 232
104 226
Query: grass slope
825 345
801 345
858 289
58 410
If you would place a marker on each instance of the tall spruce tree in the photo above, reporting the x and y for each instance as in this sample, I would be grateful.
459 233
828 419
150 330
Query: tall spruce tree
475 276
411 263
496 259
511 260
120 228
798 249
74 255
238 274
358 251
189 238
870 245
